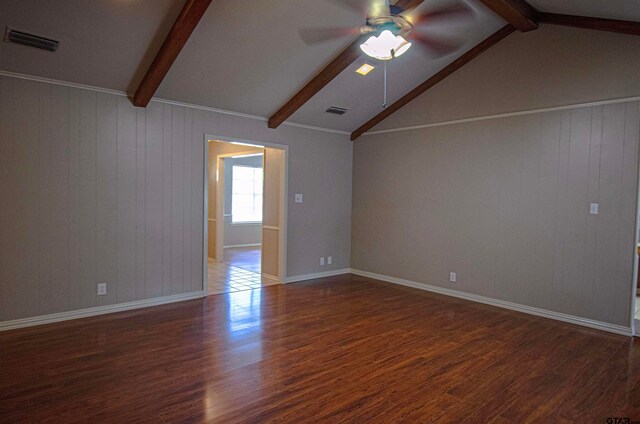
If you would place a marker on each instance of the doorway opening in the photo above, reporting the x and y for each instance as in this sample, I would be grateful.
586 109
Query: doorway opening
242 200
245 225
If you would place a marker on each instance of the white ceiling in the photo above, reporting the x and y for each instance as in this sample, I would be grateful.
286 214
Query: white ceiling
244 56
104 43
363 96
628 10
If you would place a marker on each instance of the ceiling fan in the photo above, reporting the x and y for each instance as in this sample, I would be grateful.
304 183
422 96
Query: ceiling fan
394 28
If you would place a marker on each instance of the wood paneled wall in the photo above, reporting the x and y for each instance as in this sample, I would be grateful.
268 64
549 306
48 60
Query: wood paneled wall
505 204
94 190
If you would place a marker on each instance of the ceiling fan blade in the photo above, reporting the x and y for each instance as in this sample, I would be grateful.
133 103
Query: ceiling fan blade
366 8
359 6
435 46
319 35
378 8
458 13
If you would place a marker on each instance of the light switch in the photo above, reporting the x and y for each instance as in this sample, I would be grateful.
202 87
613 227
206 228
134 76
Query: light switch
593 209
298 197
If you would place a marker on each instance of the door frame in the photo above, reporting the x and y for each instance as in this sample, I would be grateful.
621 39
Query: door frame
283 218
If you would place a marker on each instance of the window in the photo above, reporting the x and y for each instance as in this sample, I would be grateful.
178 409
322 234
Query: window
246 194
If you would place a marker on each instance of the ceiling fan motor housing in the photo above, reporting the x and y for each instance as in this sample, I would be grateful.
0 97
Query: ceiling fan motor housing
397 24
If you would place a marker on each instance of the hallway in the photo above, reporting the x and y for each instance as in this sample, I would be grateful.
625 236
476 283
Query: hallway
247 258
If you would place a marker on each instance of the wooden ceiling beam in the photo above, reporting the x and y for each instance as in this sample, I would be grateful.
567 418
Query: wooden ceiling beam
599 24
318 82
327 74
441 75
183 27
518 13
408 4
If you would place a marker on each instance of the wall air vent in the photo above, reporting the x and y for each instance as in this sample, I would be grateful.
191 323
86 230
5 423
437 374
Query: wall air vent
26 39
336 110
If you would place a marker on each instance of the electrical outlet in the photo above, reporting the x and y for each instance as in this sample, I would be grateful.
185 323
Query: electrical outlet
298 198
593 209
102 289
452 277
322 261
329 260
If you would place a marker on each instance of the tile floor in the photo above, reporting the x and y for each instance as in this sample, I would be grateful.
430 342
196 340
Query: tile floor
224 278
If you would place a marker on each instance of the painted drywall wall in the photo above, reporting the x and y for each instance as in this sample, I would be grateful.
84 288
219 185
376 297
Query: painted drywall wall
240 233
552 66
96 190
504 203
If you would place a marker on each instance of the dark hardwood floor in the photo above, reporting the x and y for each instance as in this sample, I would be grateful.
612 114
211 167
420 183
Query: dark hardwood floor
340 349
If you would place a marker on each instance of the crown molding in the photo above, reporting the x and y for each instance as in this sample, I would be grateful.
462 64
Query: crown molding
165 101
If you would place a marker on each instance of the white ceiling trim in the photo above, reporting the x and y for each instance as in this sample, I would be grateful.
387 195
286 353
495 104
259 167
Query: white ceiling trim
506 115
64 83
170 102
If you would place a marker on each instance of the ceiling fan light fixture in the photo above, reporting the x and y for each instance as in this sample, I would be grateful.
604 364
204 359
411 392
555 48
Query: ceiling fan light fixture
385 46
402 48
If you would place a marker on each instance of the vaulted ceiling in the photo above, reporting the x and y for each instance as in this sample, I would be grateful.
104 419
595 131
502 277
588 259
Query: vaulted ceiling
244 56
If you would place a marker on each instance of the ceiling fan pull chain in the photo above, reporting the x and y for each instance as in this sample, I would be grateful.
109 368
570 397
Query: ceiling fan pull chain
384 105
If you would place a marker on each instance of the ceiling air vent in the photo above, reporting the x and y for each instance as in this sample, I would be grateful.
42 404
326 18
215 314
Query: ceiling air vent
26 39
336 110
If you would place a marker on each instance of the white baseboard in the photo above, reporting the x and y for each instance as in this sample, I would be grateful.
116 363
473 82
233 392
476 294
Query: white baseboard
270 277
98 310
243 245
305 277
572 319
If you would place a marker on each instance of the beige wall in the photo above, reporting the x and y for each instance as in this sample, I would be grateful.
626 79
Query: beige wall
241 234
96 190
216 149
271 220
505 202
552 66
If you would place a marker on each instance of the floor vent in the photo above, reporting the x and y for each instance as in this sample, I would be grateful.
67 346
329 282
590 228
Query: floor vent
31 40
336 110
